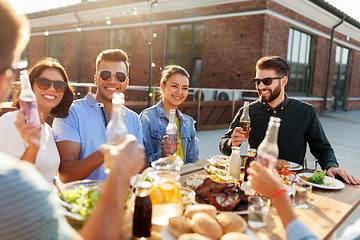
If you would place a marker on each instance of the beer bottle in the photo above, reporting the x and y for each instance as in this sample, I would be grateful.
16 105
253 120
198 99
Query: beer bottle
171 131
235 163
245 120
245 125
251 156
268 150
27 99
142 211
116 129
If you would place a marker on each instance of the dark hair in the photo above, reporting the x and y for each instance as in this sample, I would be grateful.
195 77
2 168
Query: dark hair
14 35
276 63
114 55
169 71
63 108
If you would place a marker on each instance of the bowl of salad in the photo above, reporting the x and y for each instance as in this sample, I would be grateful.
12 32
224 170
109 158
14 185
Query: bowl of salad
82 197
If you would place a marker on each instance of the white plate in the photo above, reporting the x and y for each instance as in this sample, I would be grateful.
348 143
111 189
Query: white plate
213 160
289 189
166 235
224 159
338 184
295 166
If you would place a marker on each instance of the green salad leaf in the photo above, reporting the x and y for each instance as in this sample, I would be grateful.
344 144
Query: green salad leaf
243 158
83 199
317 177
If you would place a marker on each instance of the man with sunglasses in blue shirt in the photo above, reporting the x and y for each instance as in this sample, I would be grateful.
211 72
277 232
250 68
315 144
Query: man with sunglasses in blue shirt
79 136
299 121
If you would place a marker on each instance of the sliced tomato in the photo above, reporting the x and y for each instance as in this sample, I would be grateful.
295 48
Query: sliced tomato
304 178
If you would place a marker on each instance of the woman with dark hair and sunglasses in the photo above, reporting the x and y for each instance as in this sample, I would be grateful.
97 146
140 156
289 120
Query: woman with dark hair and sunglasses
49 82
174 90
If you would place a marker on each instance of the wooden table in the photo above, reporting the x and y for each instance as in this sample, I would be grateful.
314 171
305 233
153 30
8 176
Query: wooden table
329 209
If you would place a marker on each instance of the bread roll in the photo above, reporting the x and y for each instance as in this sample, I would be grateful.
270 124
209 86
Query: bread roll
231 222
204 224
178 226
235 236
193 236
205 208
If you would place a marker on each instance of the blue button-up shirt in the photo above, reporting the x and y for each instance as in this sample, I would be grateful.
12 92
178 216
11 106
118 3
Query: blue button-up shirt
154 122
86 124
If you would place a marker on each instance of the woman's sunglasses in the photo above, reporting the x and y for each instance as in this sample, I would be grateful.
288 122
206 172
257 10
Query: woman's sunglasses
266 81
44 83
106 74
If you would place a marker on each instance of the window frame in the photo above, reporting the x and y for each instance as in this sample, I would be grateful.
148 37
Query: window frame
192 57
302 88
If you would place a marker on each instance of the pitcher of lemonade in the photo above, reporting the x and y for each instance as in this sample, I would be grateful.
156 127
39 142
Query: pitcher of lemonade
165 190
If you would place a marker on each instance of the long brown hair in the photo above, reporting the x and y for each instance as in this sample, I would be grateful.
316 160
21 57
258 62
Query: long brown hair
63 108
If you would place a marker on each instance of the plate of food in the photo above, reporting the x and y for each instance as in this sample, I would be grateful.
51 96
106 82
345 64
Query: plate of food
203 222
223 160
288 165
194 180
246 187
320 180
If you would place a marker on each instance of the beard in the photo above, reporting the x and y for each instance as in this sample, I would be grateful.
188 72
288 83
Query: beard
273 94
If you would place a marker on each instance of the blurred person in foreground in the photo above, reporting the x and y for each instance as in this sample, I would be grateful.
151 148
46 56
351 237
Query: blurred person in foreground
268 183
300 124
54 96
27 207
174 86
79 135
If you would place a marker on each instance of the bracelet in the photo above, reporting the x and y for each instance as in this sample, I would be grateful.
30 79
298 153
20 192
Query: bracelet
277 193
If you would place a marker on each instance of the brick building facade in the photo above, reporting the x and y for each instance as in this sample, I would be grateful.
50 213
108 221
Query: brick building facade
218 42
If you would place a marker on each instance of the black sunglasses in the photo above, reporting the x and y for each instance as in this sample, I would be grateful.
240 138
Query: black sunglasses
106 74
44 83
266 81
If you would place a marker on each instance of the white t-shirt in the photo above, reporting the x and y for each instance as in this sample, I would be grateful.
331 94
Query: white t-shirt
47 160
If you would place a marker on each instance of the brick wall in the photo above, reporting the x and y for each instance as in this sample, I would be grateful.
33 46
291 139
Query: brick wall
231 47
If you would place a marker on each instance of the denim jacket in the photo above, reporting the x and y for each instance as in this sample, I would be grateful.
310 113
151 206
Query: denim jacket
154 123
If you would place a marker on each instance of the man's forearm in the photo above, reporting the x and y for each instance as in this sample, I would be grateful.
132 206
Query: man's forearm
225 145
283 206
72 170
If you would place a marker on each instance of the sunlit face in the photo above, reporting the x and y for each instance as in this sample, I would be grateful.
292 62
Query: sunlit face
268 93
106 88
175 90
49 98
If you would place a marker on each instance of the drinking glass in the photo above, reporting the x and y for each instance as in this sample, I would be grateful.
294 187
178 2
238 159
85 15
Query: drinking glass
310 163
301 195
258 211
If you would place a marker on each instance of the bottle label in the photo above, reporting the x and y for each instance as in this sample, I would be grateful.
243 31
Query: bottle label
173 142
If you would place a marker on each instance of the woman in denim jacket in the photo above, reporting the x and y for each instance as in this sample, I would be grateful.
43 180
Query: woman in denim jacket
174 86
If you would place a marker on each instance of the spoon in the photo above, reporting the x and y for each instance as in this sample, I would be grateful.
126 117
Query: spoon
61 193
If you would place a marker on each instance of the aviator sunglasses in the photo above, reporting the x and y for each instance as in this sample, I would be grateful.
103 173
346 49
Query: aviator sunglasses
44 83
106 74
266 81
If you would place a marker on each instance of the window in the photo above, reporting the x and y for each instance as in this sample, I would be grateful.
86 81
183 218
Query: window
184 47
119 38
26 53
298 56
54 46
340 78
